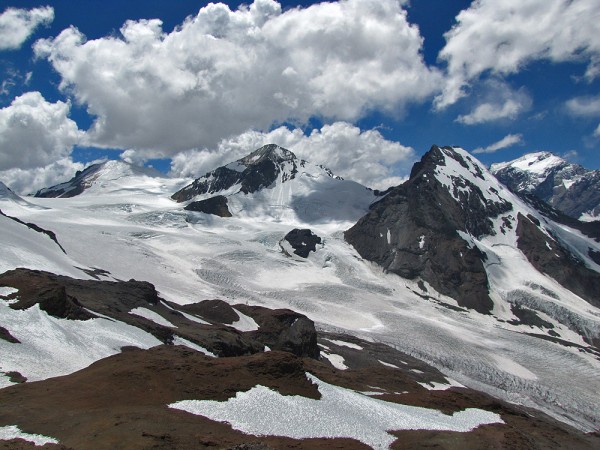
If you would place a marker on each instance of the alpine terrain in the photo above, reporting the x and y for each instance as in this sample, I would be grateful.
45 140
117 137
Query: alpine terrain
270 304
568 187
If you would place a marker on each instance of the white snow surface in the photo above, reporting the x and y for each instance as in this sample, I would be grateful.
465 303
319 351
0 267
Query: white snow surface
345 344
134 230
537 163
393 366
435 386
311 197
244 323
7 291
340 413
336 361
50 347
151 315
13 432
178 340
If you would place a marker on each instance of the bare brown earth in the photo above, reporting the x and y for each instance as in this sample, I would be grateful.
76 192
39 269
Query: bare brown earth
121 403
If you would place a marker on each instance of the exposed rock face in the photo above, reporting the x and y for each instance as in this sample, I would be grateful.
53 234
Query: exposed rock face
567 187
303 241
73 299
590 229
414 230
273 184
548 256
216 311
284 330
253 172
216 206
6 336
34 227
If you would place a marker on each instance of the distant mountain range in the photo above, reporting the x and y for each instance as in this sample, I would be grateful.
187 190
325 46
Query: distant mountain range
568 187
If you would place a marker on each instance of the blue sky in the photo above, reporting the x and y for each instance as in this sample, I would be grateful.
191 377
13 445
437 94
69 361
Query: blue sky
363 86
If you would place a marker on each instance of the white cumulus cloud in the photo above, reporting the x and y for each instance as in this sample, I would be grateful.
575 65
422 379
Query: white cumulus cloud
225 71
499 102
28 181
35 132
502 37
597 131
507 141
363 156
584 106
17 25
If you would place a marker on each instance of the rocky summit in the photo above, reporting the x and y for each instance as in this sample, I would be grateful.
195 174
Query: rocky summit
272 183
417 230
567 187
257 170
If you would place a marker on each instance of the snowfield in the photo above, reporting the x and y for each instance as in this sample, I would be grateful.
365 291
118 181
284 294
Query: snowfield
131 228
339 413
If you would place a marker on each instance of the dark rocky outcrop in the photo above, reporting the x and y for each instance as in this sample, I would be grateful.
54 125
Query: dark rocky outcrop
6 336
548 256
53 299
283 330
217 311
527 316
414 230
216 206
258 170
69 298
303 241
36 228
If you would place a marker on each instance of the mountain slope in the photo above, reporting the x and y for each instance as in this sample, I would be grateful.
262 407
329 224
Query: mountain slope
132 229
567 187
274 184
101 174
454 226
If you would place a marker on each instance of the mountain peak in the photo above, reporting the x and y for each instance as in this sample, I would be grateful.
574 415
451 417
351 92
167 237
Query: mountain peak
567 187
418 230
536 163
106 171
271 152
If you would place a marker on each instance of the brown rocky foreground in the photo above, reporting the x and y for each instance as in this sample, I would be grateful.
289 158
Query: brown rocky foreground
121 403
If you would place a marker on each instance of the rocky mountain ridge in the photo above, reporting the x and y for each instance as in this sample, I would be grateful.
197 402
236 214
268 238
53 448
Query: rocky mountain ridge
444 224
565 186
273 184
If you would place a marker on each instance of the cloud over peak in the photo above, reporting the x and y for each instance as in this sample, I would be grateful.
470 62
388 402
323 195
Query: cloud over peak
362 156
223 72
35 132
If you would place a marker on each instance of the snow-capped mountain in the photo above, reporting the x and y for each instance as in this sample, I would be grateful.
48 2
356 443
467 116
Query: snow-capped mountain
454 226
97 175
449 282
274 184
568 187
7 195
